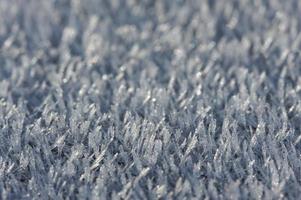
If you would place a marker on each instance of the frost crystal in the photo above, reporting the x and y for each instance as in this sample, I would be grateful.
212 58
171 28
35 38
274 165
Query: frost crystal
150 99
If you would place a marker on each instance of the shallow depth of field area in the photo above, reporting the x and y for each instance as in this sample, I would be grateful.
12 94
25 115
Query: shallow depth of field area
150 99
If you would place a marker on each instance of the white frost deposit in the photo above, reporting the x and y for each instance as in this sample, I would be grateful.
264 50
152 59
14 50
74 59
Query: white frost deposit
150 99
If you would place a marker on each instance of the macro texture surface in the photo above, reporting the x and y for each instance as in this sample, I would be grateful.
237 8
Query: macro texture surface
150 99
